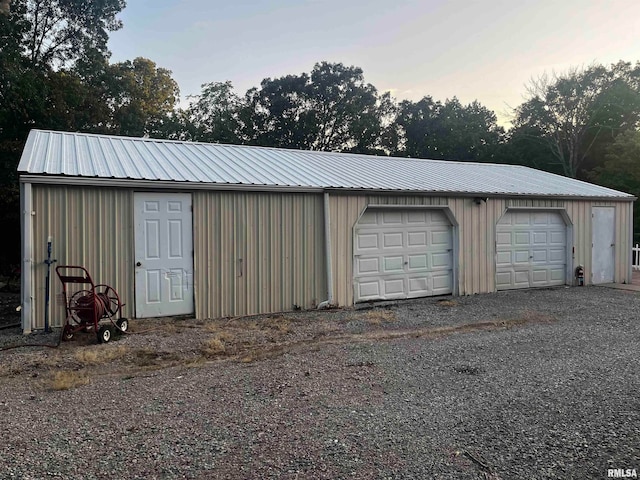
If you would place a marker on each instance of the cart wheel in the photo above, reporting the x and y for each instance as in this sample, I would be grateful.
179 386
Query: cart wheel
67 333
123 324
104 334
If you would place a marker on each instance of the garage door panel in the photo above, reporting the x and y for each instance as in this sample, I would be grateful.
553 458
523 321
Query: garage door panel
393 264
504 258
558 275
503 238
393 287
417 216
521 278
504 279
531 250
521 256
418 287
367 241
522 238
540 238
522 218
397 252
441 260
368 218
391 218
441 238
442 283
368 265
417 239
557 255
540 256
392 240
540 219
419 261
438 218
369 290
540 276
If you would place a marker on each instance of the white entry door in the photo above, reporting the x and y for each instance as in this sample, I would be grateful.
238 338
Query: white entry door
164 254
531 250
603 250
402 254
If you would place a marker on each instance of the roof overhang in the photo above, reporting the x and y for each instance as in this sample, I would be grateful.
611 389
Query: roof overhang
175 185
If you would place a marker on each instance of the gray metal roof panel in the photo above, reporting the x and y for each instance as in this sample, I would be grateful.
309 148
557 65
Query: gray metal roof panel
102 156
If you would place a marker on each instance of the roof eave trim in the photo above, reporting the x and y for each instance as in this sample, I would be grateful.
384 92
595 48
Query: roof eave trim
159 184
449 193
178 185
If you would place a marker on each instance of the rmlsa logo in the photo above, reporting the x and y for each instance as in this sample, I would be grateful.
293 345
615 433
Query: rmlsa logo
622 473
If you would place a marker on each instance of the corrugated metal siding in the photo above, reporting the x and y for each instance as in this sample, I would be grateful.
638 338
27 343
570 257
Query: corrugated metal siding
265 252
476 234
91 227
581 214
258 252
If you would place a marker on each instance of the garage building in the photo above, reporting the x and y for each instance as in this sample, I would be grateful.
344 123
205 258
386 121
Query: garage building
211 230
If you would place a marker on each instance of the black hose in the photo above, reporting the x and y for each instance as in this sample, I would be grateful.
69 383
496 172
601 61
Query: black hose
48 345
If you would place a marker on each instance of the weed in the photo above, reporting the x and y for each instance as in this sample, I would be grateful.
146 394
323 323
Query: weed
100 355
68 379
377 316
279 324
196 362
213 347
447 303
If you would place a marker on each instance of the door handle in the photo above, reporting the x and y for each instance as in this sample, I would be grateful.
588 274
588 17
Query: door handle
138 264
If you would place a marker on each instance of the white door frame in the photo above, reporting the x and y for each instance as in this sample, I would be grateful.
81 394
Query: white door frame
184 262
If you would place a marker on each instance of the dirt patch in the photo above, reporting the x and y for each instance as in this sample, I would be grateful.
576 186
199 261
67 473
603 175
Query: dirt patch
154 344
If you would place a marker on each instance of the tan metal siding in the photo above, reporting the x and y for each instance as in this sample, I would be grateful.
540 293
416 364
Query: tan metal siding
476 235
258 252
91 227
581 214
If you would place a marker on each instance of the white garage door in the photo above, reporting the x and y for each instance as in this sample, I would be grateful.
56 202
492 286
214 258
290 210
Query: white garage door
402 254
531 250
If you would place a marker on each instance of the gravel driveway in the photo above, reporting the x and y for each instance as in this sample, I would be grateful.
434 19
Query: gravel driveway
526 384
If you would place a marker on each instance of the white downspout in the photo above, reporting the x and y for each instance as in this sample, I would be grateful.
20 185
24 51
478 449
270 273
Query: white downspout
327 253
630 247
26 220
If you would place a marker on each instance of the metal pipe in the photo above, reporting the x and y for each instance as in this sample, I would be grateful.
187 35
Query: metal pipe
26 205
327 250
47 293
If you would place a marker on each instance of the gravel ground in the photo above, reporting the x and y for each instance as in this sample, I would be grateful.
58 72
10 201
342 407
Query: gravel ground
537 384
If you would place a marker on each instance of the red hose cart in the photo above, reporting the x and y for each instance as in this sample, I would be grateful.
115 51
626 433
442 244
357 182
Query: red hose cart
88 304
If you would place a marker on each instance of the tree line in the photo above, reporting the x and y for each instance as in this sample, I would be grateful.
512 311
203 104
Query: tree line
55 73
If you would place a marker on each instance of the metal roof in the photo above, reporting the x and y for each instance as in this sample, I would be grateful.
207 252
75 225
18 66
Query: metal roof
102 156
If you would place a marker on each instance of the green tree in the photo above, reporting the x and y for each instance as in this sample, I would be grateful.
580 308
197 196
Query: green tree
576 114
331 109
448 131
141 97
60 30
214 115
621 169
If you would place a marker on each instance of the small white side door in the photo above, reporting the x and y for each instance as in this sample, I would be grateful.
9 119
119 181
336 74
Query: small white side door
164 254
603 250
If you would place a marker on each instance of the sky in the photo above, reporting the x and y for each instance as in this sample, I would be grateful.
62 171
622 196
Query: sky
485 50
